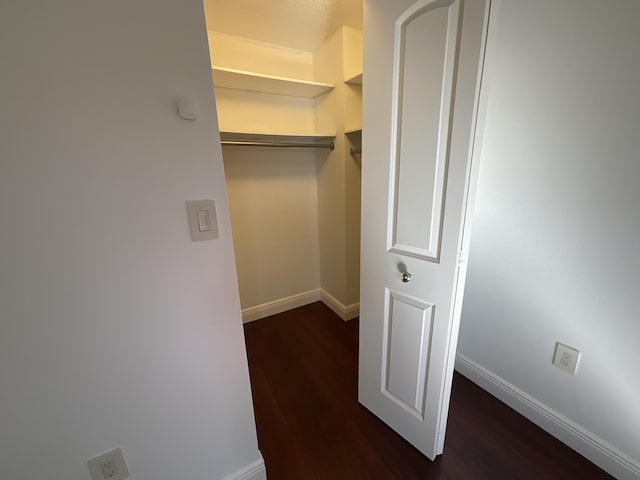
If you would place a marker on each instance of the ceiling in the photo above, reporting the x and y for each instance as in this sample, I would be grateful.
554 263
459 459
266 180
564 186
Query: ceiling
300 24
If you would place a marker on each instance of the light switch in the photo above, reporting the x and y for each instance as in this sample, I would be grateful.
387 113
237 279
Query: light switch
203 222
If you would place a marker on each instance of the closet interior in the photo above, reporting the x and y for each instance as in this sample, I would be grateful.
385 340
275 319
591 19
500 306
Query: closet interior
291 128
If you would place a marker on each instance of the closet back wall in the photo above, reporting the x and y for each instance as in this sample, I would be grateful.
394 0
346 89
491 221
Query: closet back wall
273 194
273 200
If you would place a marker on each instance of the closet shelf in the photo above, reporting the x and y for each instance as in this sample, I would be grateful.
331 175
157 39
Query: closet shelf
355 80
257 82
273 139
353 130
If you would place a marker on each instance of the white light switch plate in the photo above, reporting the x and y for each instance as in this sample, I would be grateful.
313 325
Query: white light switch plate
203 222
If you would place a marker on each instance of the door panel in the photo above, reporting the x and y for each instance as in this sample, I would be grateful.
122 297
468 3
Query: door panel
406 349
425 48
422 65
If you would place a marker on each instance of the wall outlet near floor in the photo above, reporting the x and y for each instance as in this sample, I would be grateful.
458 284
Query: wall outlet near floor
108 466
566 358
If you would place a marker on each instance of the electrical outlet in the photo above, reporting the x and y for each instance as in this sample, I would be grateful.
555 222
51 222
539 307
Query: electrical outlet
108 466
566 358
109 469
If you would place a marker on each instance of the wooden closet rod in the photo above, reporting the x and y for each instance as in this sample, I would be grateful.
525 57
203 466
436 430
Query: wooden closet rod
330 146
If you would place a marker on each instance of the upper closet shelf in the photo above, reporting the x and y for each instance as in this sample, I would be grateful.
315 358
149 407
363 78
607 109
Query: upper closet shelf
275 140
355 80
257 82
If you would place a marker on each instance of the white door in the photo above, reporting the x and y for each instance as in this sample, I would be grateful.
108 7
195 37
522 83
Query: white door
422 71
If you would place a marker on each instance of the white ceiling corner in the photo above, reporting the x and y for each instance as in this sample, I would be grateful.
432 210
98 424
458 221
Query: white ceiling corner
299 24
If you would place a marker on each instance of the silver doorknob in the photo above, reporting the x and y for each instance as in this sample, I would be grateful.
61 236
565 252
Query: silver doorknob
406 277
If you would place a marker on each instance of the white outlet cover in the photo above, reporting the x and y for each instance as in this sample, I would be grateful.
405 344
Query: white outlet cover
108 466
566 358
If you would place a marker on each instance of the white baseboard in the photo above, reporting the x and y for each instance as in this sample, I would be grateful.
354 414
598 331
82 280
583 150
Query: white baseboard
600 452
281 305
345 312
253 471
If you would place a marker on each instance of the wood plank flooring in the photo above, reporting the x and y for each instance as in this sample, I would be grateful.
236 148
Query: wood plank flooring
303 367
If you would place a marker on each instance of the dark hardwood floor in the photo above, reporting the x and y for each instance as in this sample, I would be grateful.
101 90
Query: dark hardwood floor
303 366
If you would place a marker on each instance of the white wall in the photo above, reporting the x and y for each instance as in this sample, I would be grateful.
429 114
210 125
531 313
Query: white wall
256 112
554 254
231 51
272 191
339 172
352 114
332 187
116 329
273 200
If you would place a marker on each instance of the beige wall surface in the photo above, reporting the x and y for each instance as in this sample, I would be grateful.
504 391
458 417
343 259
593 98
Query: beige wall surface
274 215
295 212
